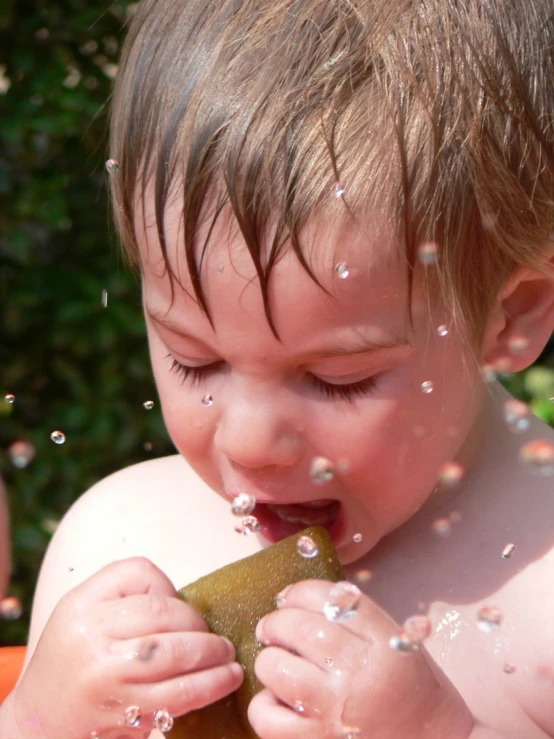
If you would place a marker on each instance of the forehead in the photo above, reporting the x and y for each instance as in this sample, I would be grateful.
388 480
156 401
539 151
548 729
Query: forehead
336 249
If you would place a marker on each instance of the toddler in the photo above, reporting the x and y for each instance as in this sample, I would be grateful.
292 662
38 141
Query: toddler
342 215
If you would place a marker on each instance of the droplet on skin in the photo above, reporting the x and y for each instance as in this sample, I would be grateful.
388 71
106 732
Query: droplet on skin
207 400
162 720
21 453
442 330
488 618
104 299
508 551
342 270
148 404
132 716
488 373
329 661
357 538
509 668
58 437
427 387
112 167
9 398
350 732
306 547
243 504
518 344
400 643
321 470
338 190
442 526
517 415
417 627
248 525
11 608
428 253
220 269
343 600
538 456
450 474
299 707
363 576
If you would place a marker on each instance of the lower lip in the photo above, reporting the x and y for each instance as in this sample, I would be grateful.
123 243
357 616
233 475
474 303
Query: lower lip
274 528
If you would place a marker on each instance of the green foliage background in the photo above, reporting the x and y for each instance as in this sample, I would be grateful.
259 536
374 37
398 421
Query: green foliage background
72 364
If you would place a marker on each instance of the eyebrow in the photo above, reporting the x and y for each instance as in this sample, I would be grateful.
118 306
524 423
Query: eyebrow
350 347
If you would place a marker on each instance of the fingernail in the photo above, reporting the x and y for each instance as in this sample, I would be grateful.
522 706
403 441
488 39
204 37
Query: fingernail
280 598
230 645
236 669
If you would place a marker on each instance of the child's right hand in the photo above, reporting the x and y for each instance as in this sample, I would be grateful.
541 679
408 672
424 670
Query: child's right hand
121 639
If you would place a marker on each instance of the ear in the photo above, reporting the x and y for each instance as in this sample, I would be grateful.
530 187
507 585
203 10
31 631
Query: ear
523 320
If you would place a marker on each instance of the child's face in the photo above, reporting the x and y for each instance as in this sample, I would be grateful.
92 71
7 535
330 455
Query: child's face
344 382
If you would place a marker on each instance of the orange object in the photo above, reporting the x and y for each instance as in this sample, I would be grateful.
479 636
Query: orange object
11 662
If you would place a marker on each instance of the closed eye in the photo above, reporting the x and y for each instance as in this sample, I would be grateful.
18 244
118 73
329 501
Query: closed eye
347 391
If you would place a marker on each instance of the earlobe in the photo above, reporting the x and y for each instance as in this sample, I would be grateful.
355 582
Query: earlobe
522 322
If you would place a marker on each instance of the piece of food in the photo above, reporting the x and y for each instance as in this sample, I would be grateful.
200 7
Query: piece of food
232 600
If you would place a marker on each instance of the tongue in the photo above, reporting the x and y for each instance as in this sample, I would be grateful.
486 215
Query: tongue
311 512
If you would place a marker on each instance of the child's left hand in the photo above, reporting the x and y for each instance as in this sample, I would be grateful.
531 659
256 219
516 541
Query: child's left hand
327 679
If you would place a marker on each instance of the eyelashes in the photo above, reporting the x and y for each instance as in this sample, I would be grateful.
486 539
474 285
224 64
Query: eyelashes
347 392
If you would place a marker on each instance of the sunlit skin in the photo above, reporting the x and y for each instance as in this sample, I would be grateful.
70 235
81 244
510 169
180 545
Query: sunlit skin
342 381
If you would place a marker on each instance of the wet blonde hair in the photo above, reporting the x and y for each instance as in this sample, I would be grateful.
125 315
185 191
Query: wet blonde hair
438 112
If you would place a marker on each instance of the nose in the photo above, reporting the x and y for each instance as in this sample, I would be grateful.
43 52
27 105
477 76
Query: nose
259 428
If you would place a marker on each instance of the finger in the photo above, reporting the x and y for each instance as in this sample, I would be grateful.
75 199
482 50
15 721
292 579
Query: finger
141 615
367 619
270 719
164 656
309 634
125 577
187 692
301 685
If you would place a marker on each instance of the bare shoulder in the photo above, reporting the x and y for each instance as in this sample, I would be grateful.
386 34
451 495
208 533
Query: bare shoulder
159 509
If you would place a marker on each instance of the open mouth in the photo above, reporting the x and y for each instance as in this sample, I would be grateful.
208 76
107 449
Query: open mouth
278 520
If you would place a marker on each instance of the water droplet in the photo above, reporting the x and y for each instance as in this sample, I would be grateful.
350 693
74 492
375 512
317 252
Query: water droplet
427 387
329 661
442 330
442 526
509 668
58 437
162 720
488 373
21 453
11 608
220 269
428 253
306 547
342 270
243 504
450 474
343 600
148 446
357 538
517 415
148 404
417 627
133 716
94 735
350 732
299 707
401 643
321 470
363 576
112 167
207 400
9 398
104 298
488 618
248 525
508 550
538 455
338 190
518 344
